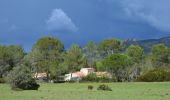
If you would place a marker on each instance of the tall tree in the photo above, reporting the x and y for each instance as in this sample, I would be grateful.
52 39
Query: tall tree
109 46
10 56
46 52
74 58
91 53
160 55
135 52
116 64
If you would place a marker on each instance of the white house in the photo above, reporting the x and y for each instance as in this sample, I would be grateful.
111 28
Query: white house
87 71
40 76
78 75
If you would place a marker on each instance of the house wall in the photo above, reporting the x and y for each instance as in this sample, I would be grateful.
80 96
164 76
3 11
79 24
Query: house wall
83 72
87 71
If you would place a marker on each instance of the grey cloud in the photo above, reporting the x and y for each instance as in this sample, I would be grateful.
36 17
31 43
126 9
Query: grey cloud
60 21
154 12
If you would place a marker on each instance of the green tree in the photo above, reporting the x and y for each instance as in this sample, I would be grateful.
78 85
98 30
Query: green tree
21 77
74 59
160 55
109 46
10 56
46 54
116 64
135 52
100 66
91 53
4 58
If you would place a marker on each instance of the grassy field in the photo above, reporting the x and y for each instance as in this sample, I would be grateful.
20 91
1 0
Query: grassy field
121 91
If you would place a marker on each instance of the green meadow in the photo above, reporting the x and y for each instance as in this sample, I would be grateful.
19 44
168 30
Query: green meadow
75 91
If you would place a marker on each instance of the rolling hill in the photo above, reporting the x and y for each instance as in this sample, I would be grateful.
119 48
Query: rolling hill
148 43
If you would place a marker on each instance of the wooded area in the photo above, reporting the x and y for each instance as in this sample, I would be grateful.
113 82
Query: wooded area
125 63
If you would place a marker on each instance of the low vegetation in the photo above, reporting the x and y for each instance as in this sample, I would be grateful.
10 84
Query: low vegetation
90 87
120 91
21 78
156 75
104 87
94 78
2 80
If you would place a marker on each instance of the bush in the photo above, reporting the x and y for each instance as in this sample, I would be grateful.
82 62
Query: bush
2 80
94 78
90 87
89 78
104 87
20 77
105 79
156 75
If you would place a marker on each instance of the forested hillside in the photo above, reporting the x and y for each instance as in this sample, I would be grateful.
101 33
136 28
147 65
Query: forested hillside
148 43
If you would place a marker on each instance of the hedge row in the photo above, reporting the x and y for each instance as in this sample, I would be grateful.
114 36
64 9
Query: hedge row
94 78
156 75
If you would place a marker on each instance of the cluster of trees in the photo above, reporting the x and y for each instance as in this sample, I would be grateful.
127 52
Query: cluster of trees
10 57
49 55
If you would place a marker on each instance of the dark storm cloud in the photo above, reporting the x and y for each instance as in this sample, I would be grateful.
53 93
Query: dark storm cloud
77 21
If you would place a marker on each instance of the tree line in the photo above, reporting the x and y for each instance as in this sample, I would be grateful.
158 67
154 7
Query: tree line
49 55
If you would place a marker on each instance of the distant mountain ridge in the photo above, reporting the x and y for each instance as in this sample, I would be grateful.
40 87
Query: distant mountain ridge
148 43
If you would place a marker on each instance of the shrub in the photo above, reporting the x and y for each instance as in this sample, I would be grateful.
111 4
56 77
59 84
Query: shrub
90 87
20 77
102 79
2 80
104 87
89 78
156 75
94 78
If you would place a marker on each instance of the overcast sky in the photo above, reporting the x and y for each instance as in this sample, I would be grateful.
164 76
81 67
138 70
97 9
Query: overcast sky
78 21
